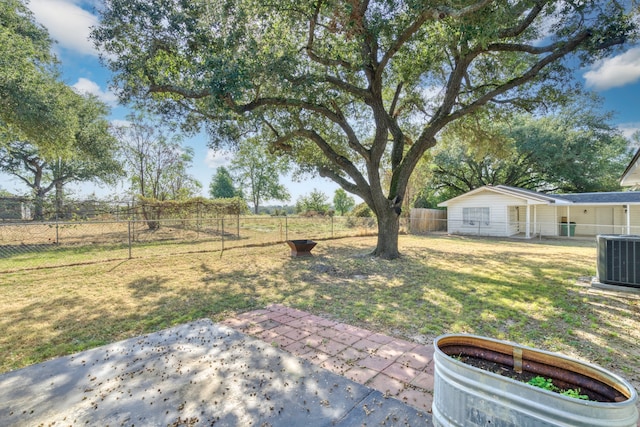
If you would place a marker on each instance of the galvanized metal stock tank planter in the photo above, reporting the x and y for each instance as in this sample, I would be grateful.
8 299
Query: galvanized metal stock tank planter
469 396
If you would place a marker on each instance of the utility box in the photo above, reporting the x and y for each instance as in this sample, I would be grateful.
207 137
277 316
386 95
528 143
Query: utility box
619 259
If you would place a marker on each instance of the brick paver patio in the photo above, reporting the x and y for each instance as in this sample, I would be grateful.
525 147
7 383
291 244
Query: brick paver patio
395 367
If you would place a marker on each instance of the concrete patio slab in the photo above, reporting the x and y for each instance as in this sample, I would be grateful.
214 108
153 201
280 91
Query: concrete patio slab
199 373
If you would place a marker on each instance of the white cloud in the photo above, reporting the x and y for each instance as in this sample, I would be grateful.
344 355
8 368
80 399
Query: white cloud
215 159
615 72
87 86
629 129
120 123
67 23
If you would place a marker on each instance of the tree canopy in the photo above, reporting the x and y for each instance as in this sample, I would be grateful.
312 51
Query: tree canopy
35 105
316 201
342 202
350 89
574 150
90 157
221 186
155 160
258 172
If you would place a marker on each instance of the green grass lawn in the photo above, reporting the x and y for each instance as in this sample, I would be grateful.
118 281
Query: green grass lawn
527 292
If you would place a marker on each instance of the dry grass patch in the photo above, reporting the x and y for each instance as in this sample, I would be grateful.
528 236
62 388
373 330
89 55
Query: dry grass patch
527 292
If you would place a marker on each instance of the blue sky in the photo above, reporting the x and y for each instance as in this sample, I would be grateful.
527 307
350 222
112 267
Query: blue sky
616 79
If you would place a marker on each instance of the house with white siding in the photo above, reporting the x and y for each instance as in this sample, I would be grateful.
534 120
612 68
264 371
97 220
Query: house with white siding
505 211
631 175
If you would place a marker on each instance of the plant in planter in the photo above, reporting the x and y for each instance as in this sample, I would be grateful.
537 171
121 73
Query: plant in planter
481 381
547 384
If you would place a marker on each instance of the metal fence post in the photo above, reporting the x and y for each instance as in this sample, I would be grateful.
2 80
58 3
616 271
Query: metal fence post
222 234
129 236
332 227
198 219
57 233
286 228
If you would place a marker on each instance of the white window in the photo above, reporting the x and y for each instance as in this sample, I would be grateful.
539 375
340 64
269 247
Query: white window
476 216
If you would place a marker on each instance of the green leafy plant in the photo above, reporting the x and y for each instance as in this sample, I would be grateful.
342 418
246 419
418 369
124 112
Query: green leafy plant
547 384
544 383
575 393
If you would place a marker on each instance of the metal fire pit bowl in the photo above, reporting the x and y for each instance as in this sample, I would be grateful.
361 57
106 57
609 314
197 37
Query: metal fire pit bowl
301 247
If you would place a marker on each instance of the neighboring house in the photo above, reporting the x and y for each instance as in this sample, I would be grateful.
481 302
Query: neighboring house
14 208
631 175
509 211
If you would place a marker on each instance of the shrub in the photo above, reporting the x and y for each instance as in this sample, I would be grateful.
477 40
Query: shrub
362 211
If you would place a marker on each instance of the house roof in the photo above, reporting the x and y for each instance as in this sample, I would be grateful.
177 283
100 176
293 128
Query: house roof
531 197
631 175
529 194
536 198
615 198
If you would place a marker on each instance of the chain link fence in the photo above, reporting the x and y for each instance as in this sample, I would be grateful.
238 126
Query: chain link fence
94 231
55 243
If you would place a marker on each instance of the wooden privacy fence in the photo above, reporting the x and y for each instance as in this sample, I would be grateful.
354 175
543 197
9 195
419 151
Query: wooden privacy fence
427 220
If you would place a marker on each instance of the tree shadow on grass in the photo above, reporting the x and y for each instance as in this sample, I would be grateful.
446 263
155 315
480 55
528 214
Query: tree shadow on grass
525 297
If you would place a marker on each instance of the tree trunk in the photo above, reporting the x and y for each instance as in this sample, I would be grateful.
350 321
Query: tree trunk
59 196
38 205
388 229
151 216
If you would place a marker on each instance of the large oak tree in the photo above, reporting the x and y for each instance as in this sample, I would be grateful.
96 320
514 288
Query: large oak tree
89 156
350 88
33 101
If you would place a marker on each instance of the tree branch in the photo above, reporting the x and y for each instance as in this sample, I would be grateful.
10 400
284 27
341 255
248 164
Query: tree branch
186 93
436 13
310 40
525 77
336 118
526 23
396 96
349 186
352 89
518 47
191 109
340 161
443 115
398 136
